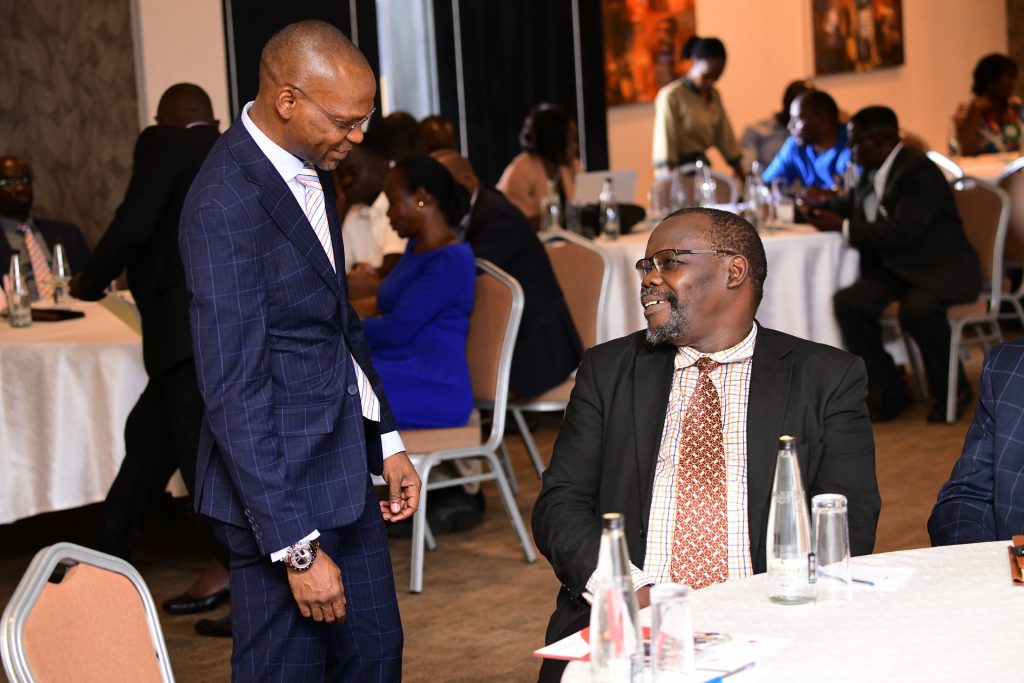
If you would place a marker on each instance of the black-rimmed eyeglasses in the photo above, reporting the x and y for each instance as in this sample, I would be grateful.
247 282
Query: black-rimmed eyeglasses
11 182
346 125
665 260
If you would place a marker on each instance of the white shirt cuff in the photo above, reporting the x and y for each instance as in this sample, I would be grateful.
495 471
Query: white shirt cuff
390 444
636 574
280 554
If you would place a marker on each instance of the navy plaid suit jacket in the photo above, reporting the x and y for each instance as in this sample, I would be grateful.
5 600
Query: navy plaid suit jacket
984 497
284 447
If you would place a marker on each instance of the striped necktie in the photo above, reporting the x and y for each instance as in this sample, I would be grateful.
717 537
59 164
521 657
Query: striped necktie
40 268
316 212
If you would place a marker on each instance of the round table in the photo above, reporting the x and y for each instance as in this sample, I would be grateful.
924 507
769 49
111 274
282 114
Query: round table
957 618
986 166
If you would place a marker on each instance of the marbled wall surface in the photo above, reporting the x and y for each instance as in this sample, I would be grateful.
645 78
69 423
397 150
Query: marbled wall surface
68 104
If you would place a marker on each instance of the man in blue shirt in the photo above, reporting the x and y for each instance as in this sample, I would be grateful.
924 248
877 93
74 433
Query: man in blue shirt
817 151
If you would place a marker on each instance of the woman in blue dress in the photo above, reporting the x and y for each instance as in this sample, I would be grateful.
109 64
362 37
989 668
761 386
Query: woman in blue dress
418 342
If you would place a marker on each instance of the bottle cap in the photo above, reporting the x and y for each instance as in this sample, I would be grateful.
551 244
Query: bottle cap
786 441
613 520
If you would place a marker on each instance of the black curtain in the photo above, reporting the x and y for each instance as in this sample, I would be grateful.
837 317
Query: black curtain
251 23
516 54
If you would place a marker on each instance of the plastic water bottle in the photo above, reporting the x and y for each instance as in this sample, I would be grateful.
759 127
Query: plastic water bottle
551 208
616 641
790 564
19 301
608 211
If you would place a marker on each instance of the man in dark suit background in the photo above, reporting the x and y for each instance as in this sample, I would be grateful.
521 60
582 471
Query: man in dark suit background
296 419
984 497
162 431
16 219
548 347
903 219
627 441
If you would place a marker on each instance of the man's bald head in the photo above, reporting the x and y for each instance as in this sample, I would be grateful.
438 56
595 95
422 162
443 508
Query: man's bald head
308 50
183 104
460 168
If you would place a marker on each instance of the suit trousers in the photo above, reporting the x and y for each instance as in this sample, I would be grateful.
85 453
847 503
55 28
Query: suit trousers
161 435
922 315
274 642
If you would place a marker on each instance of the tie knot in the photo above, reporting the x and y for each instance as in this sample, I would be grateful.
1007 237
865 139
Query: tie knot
308 177
705 365
23 228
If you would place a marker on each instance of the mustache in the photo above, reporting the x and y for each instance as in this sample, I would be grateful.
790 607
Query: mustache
664 294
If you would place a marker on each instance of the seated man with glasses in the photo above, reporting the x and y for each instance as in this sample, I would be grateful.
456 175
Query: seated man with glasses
676 427
32 238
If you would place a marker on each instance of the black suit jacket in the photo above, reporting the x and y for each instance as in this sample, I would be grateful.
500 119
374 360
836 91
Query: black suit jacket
69 235
917 233
143 238
548 347
605 454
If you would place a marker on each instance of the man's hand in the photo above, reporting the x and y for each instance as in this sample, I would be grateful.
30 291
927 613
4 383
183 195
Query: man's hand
75 286
403 488
825 220
814 195
643 597
363 281
318 591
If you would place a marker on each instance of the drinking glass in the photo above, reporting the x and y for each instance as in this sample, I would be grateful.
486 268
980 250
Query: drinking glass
61 272
19 306
834 587
672 654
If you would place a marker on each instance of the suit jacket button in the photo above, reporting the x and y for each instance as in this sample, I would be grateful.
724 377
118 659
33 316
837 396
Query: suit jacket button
353 390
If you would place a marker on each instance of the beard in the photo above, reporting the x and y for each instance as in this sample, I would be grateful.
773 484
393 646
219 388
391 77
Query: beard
677 318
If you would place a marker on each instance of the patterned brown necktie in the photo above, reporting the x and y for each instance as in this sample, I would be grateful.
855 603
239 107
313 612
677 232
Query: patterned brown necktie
700 555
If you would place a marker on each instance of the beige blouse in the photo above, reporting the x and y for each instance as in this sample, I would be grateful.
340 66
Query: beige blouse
525 182
684 125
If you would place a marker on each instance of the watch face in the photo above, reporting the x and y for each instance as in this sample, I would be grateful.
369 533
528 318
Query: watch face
301 556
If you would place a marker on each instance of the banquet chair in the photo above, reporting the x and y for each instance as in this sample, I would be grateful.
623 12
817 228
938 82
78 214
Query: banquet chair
1011 181
583 273
727 190
984 210
493 324
949 168
98 623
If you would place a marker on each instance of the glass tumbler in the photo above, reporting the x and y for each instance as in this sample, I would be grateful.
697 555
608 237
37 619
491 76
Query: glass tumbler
672 654
834 586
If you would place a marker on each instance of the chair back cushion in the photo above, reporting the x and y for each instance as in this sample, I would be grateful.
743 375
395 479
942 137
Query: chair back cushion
1013 184
579 271
980 208
487 325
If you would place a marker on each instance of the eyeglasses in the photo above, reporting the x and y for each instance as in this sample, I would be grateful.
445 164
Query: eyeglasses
11 182
346 125
665 260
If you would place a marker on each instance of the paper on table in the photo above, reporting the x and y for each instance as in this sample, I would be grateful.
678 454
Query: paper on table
885 579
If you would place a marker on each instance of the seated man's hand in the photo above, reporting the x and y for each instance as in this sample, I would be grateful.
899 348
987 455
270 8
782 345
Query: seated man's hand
363 281
318 591
824 220
365 307
75 286
814 195
643 597
403 488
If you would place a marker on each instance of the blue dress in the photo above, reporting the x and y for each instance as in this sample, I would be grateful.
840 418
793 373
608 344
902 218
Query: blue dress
418 343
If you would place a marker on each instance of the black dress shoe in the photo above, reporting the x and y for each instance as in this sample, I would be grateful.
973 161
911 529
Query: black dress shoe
937 414
187 604
895 400
218 628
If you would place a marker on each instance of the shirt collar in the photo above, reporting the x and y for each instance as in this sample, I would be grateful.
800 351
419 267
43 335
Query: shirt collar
882 175
286 163
687 355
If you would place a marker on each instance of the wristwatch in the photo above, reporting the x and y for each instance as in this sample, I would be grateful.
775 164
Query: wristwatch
301 555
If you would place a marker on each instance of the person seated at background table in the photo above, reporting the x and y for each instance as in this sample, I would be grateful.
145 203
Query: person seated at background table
762 140
400 135
993 120
677 427
903 219
30 237
550 143
984 497
547 346
437 132
418 340
372 248
688 113
817 151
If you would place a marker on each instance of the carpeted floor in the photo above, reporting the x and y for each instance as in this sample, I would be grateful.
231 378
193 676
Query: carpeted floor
483 610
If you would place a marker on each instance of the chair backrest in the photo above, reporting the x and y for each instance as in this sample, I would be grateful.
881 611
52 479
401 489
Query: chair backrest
949 168
1011 181
984 210
583 272
98 624
493 325
727 190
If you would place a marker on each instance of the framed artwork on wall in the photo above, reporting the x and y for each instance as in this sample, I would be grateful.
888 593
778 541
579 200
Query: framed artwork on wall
643 42
857 35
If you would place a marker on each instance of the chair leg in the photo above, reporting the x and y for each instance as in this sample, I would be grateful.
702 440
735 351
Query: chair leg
419 530
511 508
506 464
914 359
531 445
954 374
429 538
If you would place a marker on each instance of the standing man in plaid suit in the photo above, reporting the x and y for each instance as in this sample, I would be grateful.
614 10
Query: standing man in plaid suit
984 497
296 419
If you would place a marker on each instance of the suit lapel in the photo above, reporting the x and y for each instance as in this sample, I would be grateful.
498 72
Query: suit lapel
770 377
652 384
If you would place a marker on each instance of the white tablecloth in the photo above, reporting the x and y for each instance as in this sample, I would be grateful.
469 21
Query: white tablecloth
986 166
956 619
805 268
66 389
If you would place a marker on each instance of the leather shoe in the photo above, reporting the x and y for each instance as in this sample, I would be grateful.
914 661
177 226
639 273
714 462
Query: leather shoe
937 414
895 399
218 628
188 604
